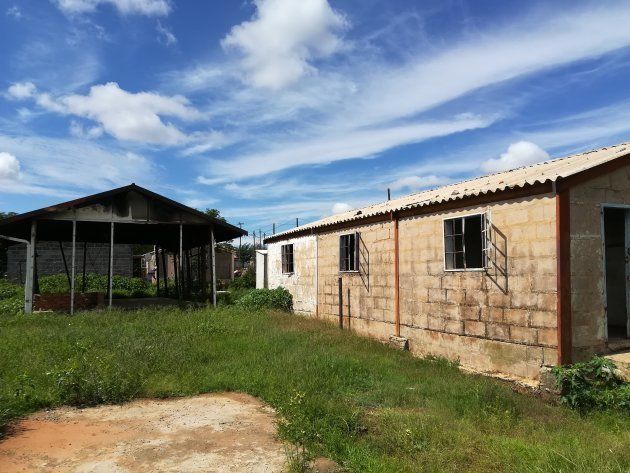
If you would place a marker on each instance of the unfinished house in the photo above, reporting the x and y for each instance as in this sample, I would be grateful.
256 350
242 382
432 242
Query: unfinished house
506 273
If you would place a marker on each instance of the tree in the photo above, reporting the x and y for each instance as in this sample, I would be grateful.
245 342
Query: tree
246 253
214 213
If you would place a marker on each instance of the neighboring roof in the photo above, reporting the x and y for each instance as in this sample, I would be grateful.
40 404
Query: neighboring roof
545 172
15 225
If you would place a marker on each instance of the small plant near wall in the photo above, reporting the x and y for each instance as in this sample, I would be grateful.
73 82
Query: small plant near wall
592 385
278 299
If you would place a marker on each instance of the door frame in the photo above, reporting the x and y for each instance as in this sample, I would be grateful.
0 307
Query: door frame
625 207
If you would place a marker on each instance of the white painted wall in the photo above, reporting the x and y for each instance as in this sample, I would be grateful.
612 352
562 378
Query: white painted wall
302 284
261 269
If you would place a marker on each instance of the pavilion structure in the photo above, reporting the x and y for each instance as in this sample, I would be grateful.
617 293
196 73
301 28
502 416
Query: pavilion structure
131 215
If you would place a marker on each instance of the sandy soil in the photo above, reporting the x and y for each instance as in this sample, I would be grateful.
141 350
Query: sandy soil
210 433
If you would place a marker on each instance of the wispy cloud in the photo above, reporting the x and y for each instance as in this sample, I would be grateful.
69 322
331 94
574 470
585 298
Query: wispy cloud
125 7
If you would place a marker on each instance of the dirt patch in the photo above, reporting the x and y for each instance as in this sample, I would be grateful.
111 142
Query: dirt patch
210 433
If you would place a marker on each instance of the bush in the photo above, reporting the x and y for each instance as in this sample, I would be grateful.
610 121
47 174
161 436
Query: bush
11 298
279 299
592 385
122 286
246 281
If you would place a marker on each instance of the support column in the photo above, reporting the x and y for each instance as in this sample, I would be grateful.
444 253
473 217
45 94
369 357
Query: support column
156 252
73 263
111 265
214 267
30 263
180 264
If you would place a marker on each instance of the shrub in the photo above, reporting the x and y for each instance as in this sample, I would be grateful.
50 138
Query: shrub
592 385
279 299
122 286
246 281
11 298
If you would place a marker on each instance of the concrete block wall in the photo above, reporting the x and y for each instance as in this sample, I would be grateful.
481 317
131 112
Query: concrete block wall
302 282
50 261
588 303
487 320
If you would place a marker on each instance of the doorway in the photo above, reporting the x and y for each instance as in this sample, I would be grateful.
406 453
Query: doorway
617 254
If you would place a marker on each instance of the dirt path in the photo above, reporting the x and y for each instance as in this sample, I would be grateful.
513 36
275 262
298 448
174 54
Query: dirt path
210 433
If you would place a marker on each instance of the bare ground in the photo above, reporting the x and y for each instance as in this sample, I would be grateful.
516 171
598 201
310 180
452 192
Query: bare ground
210 433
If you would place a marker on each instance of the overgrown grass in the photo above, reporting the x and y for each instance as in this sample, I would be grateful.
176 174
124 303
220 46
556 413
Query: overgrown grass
354 400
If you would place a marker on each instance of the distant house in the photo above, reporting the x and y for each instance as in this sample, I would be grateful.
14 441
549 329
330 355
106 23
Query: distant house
225 265
508 273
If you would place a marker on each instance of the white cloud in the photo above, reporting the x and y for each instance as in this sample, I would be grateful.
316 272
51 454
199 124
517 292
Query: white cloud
125 7
21 90
414 183
334 147
166 36
15 12
79 131
340 207
124 115
283 38
64 163
9 167
521 153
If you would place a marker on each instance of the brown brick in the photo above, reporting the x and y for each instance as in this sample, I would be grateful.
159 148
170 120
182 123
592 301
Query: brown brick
543 319
516 316
474 328
548 336
499 331
523 334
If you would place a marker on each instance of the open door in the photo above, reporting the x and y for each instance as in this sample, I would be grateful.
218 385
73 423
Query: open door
617 259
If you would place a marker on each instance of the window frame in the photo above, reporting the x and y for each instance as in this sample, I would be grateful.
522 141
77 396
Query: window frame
485 228
285 264
357 240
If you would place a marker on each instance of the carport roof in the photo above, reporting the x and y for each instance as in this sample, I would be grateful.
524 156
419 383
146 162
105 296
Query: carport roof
141 216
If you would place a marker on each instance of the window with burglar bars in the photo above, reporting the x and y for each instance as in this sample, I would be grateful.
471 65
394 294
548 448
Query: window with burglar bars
287 259
466 242
349 252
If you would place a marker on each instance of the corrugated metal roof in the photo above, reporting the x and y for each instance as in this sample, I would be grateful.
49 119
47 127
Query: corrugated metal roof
548 171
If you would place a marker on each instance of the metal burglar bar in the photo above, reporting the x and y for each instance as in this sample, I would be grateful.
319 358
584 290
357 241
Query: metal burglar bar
287 259
349 252
466 242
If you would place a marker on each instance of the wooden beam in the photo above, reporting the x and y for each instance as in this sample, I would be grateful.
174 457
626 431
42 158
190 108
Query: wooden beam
30 262
111 266
165 272
65 263
83 282
214 267
73 263
396 277
180 265
563 265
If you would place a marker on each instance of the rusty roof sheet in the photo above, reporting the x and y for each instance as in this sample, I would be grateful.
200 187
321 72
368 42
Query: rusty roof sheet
547 171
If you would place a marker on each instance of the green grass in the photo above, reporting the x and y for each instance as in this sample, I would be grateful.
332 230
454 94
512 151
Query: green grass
354 400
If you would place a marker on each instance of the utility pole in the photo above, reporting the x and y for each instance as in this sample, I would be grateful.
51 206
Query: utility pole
297 221
274 228
260 238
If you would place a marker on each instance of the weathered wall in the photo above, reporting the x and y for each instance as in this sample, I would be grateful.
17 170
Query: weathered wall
50 261
301 283
488 320
367 294
496 321
587 260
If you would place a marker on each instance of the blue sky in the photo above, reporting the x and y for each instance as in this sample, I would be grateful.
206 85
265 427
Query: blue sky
275 109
